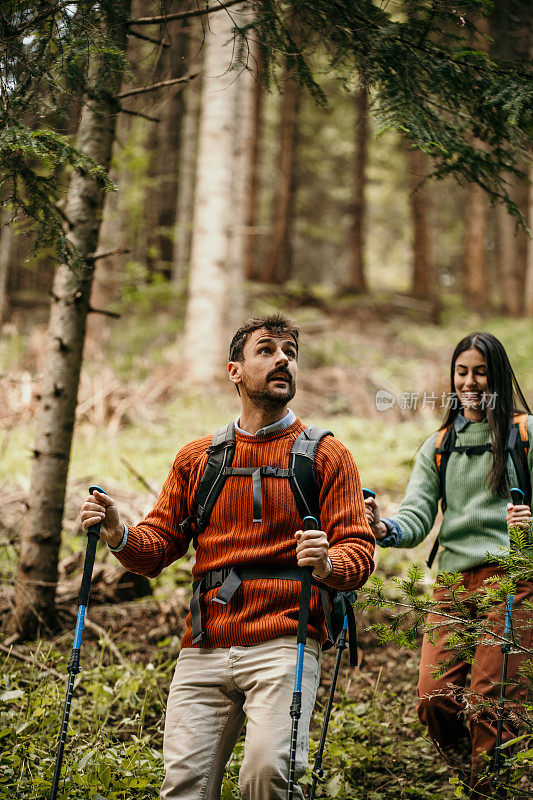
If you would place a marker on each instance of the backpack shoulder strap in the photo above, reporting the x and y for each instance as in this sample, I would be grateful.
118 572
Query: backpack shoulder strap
520 420
302 468
518 447
220 452
443 447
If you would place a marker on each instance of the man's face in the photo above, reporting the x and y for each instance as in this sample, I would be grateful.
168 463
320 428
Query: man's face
267 375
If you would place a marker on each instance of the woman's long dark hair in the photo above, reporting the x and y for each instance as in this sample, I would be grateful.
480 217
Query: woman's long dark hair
509 398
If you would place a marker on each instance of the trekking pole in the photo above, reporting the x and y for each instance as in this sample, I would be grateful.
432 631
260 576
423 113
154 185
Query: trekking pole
318 772
93 534
517 495
309 523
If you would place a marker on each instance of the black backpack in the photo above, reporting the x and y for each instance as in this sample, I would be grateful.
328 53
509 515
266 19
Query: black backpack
300 473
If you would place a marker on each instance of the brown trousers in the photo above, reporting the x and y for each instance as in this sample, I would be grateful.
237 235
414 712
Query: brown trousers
443 702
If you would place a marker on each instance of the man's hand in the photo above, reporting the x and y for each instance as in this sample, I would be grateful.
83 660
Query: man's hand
100 507
312 551
379 529
518 516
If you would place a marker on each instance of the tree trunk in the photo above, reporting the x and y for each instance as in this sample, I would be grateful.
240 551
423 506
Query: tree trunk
512 41
421 271
474 266
192 95
167 139
6 242
357 281
511 252
250 259
217 269
116 230
528 301
278 265
475 280
41 536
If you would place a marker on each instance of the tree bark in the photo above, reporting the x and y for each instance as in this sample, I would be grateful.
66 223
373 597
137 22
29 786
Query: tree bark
511 31
357 281
278 266
421 269
475 280
192 94
511 252
217 254
250 259
167 141
6 241
41 536
474 266
528 301
116 230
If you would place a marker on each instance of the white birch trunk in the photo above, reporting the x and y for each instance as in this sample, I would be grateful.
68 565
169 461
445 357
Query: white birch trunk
217 253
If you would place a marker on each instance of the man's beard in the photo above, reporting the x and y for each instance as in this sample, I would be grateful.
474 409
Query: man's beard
266 398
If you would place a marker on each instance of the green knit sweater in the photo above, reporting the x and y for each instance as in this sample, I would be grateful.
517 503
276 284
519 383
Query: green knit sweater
474 522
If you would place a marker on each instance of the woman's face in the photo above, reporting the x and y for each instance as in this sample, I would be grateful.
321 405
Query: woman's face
471 386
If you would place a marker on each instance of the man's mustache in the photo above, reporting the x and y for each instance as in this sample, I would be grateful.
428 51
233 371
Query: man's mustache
278 372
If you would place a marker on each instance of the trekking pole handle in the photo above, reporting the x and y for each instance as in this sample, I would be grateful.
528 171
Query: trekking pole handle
93 534
517 496
95 529
309 524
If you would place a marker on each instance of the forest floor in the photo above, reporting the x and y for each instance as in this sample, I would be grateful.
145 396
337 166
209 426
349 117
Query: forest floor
135 410
376 747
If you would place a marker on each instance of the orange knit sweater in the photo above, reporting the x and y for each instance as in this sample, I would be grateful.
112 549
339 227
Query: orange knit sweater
260 609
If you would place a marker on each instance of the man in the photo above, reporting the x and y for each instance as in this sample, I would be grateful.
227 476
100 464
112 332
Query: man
238 654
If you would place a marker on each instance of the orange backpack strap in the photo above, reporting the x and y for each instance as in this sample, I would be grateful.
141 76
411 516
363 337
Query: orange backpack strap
438 444
520 419
443 447
518 447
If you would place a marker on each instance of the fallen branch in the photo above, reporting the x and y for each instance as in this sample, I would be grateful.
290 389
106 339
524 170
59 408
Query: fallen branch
103 311
139 477
104 391
118 251
159 85
200 12
139 114
107 639
148 38
14 653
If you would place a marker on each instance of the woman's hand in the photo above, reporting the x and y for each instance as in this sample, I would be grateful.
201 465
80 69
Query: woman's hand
378 528
101 508
518 516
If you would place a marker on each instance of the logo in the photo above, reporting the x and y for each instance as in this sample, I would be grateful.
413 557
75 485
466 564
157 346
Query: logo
384 400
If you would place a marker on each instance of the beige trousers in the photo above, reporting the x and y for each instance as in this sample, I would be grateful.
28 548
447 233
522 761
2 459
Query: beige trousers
213 692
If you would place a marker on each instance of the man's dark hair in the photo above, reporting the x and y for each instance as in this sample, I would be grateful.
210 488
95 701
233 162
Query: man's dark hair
275 323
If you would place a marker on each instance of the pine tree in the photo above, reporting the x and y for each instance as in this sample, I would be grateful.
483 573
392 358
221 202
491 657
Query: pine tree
39 546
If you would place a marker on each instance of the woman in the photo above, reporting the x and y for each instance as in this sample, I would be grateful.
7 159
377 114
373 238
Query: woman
479 472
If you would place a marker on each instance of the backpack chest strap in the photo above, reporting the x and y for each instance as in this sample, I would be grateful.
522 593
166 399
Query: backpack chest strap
257 473
472 449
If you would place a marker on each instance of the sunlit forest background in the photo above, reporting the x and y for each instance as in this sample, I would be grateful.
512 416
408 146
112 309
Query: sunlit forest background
230 196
